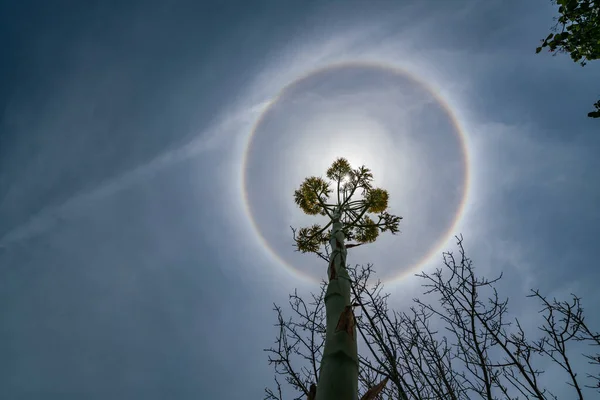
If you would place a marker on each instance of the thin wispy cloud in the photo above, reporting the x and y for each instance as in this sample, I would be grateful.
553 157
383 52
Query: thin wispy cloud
124 232
42 221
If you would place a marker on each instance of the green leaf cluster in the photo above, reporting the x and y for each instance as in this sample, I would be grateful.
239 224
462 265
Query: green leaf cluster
367 231
377 200
339 170
312 195
577 33
577 30
310 239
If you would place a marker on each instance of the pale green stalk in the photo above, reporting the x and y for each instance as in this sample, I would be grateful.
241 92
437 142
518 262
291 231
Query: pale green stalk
338 377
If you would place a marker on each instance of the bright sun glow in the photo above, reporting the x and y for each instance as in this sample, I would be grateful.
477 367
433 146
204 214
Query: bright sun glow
351 135
359 139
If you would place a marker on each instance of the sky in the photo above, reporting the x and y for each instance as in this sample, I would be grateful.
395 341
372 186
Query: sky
149 152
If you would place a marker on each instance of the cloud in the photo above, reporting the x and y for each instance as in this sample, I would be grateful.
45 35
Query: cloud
164 231
45 219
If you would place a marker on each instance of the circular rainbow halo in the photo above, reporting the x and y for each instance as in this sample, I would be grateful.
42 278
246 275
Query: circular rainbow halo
374 115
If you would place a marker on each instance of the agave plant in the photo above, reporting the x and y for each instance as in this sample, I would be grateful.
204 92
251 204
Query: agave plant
356 211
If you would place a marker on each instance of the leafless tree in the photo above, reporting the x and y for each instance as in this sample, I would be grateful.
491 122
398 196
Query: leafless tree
464 345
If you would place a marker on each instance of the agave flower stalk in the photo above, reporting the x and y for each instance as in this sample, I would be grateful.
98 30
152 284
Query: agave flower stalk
349 217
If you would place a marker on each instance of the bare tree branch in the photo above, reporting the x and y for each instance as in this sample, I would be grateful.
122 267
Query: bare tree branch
462 346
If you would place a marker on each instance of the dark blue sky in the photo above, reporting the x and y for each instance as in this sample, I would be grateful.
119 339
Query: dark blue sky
128 267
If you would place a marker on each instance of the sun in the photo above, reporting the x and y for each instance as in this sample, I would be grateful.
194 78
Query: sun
359 139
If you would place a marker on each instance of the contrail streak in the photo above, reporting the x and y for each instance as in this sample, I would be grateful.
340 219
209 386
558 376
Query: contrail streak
43 220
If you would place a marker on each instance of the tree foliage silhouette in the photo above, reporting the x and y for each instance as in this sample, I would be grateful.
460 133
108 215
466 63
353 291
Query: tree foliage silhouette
577 33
